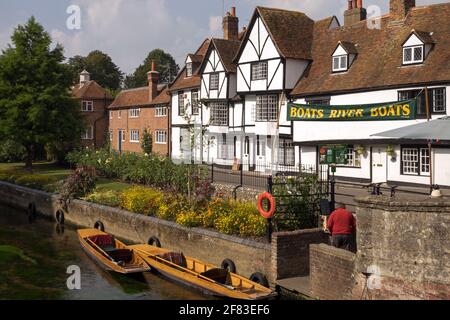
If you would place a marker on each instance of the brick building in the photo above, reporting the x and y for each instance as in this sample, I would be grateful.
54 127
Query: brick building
94 101
136 110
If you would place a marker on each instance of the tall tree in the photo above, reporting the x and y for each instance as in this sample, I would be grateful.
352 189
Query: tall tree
165 64
100 66
35 104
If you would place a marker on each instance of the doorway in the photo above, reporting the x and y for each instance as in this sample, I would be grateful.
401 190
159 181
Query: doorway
379 164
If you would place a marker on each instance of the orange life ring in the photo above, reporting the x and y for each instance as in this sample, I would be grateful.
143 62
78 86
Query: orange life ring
264 213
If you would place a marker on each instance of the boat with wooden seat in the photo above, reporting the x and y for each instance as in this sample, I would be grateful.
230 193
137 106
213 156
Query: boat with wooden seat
206 277
110 253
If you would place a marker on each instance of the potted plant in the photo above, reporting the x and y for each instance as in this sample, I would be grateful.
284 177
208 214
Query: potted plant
390 151
360 150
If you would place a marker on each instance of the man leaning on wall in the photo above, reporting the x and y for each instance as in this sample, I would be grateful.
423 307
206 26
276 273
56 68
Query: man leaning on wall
342 226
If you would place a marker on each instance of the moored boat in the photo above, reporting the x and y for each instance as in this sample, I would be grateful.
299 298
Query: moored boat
206 277
110 253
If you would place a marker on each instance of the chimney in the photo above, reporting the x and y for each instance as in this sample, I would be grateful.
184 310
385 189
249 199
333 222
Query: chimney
399 9
231 25
84 77
153 77
355 12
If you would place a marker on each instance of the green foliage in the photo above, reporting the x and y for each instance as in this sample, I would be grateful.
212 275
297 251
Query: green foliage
108 198
35 103
34 181
299 197
189 219
80 183
164 63
147 142
101 68
11 151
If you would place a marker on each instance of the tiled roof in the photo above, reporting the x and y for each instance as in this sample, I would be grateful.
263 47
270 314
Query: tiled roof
291 32
227 50
90 90
182 82
380 56
139 97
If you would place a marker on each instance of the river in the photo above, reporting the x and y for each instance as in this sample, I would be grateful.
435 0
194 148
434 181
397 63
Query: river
34 258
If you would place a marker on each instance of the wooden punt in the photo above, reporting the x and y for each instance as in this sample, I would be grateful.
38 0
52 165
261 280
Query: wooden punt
203 276
110 253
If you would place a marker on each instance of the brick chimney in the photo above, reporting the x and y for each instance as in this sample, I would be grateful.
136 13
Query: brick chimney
355 12
399 9
231 25
153 77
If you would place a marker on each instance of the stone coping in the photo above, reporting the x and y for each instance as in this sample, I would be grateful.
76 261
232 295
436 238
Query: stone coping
396 204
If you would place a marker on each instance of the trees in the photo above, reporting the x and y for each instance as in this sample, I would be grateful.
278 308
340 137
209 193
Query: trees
35 104
165 64
101 67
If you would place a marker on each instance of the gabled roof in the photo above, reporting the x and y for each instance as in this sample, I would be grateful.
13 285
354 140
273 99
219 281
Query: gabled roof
90 90
349 47
140 97
380 54
181 81
291 32
226 50
423 36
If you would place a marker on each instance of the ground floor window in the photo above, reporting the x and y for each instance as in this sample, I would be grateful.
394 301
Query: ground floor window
88 133
161 136
134 135
286 152
353 158
223 147
415 161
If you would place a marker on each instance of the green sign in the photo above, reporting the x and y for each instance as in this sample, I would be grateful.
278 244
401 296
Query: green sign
400 110
333 154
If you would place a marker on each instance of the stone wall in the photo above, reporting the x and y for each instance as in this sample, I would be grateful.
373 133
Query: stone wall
290 251
210 246
405 244
332 272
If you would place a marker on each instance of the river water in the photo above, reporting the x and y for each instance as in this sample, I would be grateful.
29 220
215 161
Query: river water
34 258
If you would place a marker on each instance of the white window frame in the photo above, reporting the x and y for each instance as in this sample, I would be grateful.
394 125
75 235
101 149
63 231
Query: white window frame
214 79
195 102
87 106
134 135
267 108
413 54
161 112
119 114
259 70
340 58
111 114
416 158
181 105
161 136
134 113
219 114
88 133
353 158
286 152
189 69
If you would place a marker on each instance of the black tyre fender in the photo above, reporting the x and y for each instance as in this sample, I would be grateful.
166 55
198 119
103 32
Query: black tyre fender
229 265
59 217
259 278
31 211
154 241
99 225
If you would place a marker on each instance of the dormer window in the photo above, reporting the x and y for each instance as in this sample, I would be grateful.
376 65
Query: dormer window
412 54
343 56
189 69
416 47
340 63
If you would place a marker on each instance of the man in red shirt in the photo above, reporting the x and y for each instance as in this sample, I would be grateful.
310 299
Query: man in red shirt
342 226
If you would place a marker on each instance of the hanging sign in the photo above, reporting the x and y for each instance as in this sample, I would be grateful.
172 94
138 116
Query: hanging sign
399 110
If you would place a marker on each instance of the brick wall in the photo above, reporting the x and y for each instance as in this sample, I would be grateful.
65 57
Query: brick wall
290 251
146 120
332 272
98 119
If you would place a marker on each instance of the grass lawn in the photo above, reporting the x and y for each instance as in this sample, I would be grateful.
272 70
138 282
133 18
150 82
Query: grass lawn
49 169
104 185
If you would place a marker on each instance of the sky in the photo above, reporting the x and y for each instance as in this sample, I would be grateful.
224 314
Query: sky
128 30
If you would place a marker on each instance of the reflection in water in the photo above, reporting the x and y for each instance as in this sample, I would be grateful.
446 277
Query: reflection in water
53 248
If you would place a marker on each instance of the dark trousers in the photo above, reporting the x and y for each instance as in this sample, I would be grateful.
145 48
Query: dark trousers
343 241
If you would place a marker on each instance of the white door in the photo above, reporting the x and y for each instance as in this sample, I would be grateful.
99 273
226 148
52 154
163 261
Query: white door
379 164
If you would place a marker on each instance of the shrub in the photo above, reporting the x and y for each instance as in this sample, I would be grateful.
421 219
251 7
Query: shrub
80 183
34 181
10 151
107 198
147 142
189 219
142 200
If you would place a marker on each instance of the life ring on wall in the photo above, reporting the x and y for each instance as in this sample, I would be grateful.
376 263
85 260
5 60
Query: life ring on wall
99 225
154 241
266 196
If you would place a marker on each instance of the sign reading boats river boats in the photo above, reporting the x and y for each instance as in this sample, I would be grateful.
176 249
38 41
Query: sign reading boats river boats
399 110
